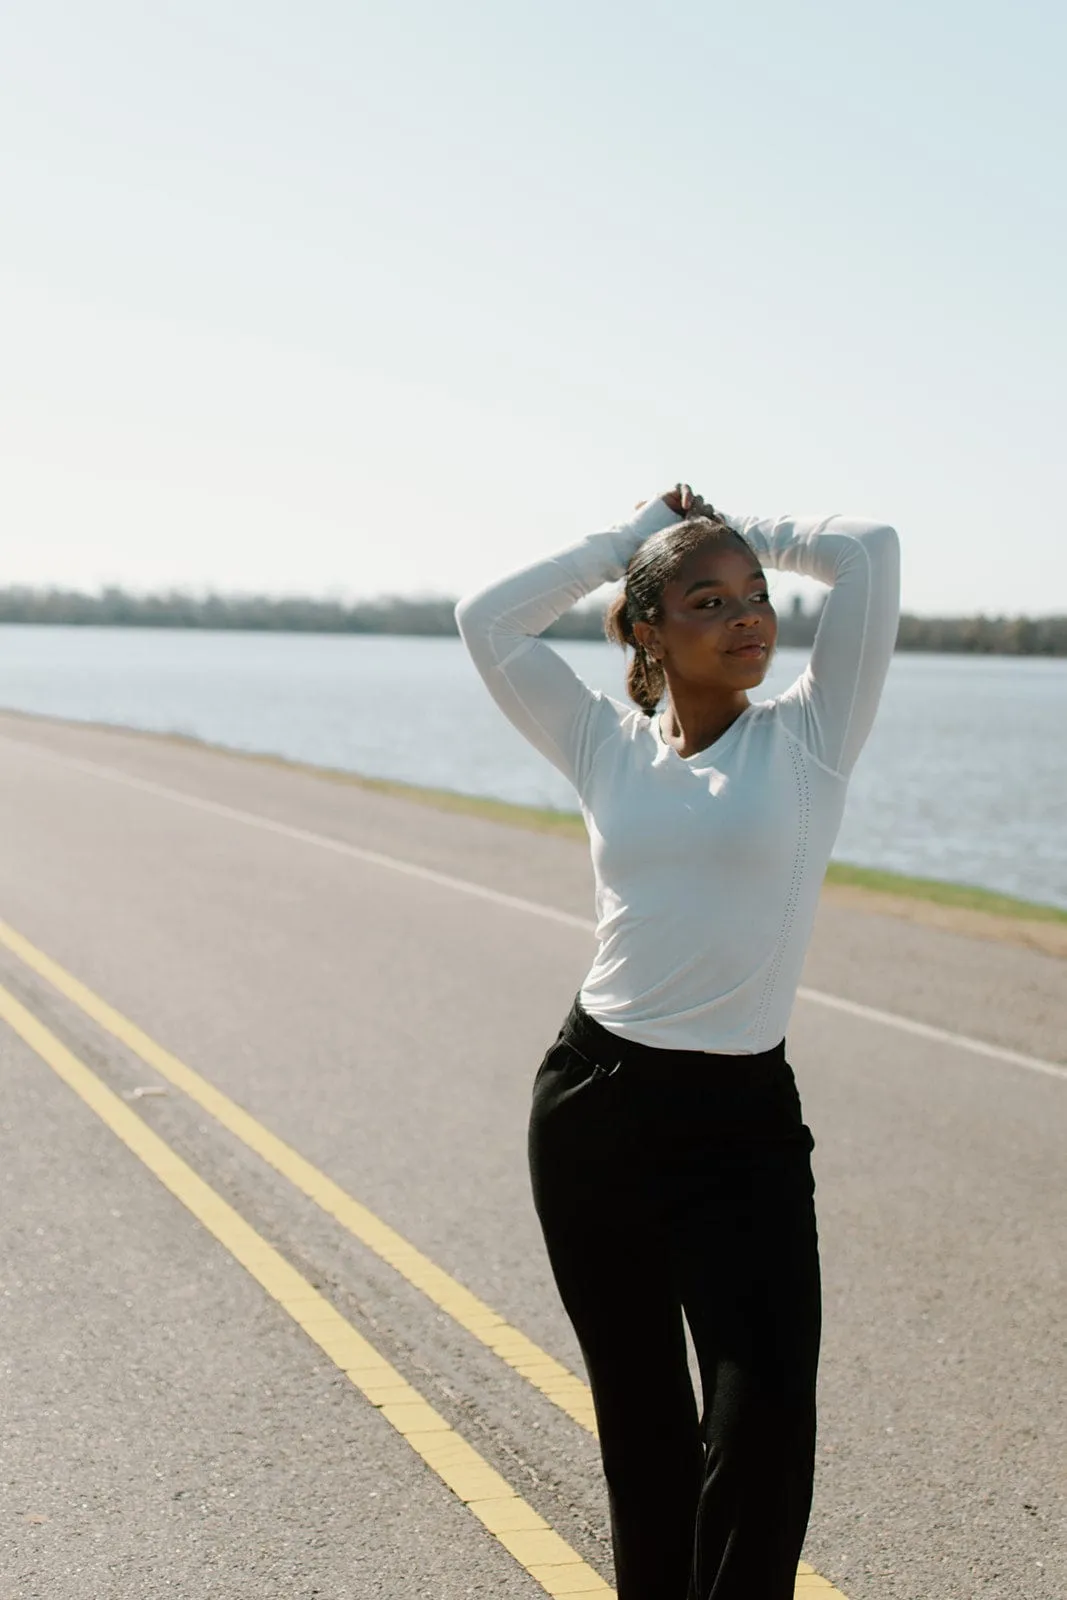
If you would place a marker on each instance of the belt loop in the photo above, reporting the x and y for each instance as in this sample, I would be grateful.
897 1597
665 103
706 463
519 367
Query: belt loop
600 1071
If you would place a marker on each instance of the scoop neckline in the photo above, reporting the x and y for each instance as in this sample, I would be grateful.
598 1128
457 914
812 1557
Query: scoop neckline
716 744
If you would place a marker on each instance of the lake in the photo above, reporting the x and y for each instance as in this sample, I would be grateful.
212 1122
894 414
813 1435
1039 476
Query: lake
963 778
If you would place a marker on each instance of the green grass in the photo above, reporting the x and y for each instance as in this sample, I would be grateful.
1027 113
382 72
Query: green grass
569 824
946 894
534 819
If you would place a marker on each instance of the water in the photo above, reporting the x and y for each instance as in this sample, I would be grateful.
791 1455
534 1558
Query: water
963 778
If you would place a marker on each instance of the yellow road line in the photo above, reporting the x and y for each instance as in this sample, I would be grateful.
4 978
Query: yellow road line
542 1371
526 1536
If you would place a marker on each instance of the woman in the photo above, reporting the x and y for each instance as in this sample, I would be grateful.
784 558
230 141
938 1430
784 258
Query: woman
671 1165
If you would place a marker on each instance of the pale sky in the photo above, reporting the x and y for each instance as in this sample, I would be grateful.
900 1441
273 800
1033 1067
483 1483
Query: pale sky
359 297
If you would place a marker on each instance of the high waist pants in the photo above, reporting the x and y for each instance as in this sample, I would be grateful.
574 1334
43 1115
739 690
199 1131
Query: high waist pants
671 1182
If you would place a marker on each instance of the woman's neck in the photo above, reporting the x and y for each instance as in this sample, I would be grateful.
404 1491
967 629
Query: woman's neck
690 722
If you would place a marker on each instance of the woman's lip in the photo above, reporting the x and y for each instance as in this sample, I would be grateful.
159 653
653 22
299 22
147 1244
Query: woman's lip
747 650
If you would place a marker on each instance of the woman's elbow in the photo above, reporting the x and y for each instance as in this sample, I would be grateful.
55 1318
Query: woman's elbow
884 535
469 618
883 552
478 620
880 540
888 545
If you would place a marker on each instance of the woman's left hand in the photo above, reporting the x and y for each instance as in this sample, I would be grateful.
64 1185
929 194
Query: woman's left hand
680 499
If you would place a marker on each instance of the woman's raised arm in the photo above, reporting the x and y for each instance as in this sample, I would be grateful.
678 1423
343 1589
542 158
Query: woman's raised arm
533 686
832 704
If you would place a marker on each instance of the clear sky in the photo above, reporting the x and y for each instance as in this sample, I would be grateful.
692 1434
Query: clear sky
358 297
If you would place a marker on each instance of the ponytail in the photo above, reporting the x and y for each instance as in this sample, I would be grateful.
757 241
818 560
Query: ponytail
645 679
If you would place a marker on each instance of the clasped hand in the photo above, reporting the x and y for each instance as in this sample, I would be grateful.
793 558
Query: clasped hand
682 501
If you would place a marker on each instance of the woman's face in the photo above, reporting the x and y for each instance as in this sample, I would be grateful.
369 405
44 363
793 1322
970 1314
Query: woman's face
718 627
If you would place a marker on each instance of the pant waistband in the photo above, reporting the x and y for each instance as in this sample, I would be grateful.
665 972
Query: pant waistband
608 1050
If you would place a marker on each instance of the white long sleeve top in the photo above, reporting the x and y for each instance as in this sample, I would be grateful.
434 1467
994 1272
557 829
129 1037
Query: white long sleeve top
708 867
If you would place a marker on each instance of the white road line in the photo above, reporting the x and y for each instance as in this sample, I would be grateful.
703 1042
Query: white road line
924 1030
286 830
375 858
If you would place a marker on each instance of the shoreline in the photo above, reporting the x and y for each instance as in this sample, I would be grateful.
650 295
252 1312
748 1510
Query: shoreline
959 908
1022 638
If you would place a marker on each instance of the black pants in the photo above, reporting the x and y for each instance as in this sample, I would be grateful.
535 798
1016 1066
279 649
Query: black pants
670 1181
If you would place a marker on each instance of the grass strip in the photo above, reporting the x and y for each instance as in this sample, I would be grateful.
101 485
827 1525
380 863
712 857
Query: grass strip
965 896
569 825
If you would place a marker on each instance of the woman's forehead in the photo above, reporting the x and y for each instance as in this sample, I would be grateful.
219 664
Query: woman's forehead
729 563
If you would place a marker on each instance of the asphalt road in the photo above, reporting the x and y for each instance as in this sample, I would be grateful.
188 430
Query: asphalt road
168 1429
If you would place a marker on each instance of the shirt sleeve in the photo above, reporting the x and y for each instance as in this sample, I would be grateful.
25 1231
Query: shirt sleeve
831 706
531 683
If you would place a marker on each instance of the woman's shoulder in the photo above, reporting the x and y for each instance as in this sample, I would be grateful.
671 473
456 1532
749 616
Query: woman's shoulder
788 716
620 719
618 724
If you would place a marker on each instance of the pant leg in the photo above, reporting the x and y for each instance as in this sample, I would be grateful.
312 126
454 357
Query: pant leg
753 1303
611 1267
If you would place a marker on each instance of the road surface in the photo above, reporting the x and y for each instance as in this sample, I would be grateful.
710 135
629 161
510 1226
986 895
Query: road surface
336 1002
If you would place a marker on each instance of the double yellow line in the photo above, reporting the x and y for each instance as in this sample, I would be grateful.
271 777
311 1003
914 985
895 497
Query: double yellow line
520 1529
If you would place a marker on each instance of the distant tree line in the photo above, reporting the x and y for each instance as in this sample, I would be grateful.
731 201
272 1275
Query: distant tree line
985 636
113 607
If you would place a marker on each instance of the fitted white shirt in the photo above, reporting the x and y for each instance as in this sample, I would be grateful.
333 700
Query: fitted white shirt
708 867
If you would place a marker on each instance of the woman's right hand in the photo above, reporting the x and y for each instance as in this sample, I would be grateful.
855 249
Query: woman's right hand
680 499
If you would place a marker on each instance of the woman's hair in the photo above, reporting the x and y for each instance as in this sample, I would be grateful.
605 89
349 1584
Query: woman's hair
651 568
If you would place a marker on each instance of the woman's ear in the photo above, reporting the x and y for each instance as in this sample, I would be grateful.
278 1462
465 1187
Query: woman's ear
645 634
